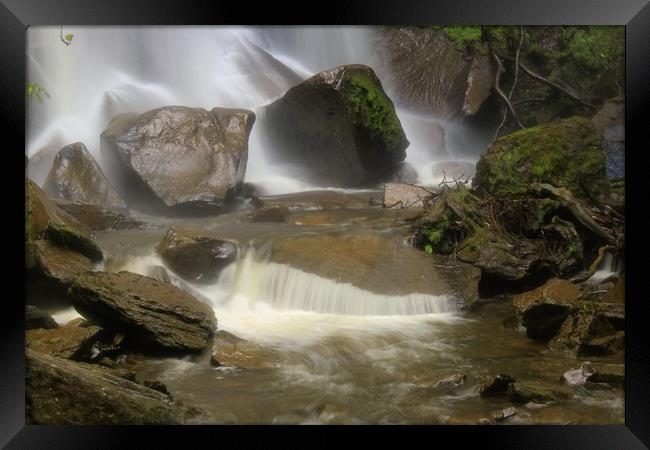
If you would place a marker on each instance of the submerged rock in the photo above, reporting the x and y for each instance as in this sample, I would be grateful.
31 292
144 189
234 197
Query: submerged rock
368 260
44 220
194 255
154 315
338 128
75 176
178 157
61 392
64 342
231 350
543 310
566 153
96 217
450 381
537 392
503 414
271 214
36 318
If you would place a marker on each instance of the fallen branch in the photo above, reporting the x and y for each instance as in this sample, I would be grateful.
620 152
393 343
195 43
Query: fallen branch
550 83
514 82
497 88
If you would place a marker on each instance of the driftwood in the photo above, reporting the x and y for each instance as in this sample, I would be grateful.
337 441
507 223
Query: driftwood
550 83
578 211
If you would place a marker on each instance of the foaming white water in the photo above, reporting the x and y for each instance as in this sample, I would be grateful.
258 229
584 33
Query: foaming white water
111 70
607 268
65 316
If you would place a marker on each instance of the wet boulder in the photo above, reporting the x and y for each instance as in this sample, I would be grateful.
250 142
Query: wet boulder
62 392
194 255
337 129
497 387
231 350
591 329
566 153
178 158
45 220
36 318
50 271
76 176
155 316
544 309
271 214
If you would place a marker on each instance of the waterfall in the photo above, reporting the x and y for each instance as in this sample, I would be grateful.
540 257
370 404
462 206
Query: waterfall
111 70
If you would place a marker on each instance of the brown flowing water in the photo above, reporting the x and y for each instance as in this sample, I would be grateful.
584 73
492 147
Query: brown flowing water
369 364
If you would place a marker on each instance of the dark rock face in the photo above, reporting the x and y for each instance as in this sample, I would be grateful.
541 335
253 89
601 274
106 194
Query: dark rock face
338 128
154 315
178 157
61 392
543 310
610 122
498 386
195 255
565 153
44 220
590 329
426 72
36 318
75 176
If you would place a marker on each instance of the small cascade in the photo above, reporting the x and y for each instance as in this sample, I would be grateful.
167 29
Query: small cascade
611 264
286 288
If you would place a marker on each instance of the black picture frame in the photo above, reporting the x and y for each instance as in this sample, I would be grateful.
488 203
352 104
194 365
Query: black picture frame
17 15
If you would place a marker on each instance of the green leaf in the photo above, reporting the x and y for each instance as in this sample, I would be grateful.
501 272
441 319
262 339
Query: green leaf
428 248
68 37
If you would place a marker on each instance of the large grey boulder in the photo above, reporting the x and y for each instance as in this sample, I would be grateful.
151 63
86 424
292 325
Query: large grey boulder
178 157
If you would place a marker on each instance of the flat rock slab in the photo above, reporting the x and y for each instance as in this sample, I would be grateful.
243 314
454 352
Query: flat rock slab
402 195
539 393
61 392
154 315
63 342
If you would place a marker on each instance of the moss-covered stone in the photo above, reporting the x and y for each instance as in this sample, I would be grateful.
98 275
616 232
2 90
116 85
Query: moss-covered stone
565 153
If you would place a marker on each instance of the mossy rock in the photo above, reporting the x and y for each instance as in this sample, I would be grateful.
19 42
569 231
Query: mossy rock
337 128
565 153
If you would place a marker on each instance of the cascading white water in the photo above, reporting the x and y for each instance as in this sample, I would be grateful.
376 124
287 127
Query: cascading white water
111 70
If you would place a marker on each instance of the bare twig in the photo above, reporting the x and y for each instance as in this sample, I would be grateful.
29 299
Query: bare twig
61 35
514 83
497 88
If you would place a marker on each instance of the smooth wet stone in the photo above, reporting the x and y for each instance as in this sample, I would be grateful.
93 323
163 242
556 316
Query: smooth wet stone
231 350
194 255
178 158
155 316
98 218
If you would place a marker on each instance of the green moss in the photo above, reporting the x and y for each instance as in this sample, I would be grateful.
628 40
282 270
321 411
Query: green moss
463 37
566 153
370 108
